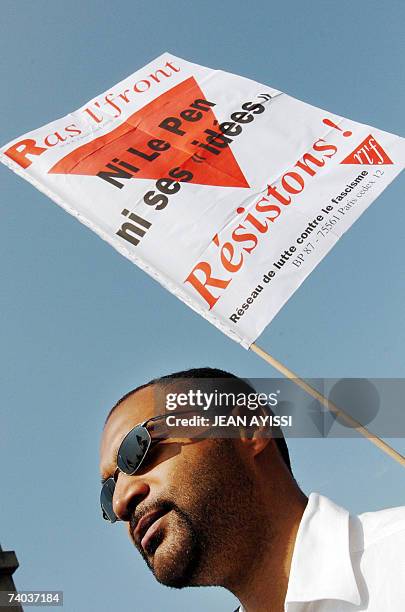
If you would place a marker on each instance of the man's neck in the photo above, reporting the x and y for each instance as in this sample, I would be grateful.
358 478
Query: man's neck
263 586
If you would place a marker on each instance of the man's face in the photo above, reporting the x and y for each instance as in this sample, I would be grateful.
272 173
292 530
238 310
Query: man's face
183 507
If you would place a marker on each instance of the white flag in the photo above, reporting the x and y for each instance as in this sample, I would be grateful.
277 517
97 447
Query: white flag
226 191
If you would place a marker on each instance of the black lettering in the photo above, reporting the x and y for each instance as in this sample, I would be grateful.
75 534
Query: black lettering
240 117
201 104
230 128
150 157
128 230
167 186
114 174
191 115
158 145
217 140
172 124
256 109
156 199
181 175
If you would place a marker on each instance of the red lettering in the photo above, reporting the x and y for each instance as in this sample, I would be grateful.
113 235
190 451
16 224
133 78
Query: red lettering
170 64
325 147
295 177
227 252
243 237
136 86
268 208
72 129
304 163
58 137
272 190
211 281
154 75
124 95
19 151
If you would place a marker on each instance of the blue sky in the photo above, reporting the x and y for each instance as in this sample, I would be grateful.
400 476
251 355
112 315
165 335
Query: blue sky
80 325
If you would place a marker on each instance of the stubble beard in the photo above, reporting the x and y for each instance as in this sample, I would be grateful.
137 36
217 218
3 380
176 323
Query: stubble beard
210 535
174 557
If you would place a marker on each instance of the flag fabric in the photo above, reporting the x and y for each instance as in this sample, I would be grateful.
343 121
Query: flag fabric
226 191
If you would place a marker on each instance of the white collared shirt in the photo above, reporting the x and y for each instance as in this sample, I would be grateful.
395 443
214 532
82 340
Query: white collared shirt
344 563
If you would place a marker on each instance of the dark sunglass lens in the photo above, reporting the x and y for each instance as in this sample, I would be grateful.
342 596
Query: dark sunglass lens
133 450
106 500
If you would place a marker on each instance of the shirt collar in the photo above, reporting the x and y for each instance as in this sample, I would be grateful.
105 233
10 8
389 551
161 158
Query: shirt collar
321 566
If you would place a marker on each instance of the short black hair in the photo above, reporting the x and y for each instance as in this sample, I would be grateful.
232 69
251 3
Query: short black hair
206 373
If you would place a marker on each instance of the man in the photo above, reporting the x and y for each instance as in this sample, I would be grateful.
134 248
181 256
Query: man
228 512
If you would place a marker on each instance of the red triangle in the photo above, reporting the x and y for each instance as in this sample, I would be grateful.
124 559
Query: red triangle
208 168
368 153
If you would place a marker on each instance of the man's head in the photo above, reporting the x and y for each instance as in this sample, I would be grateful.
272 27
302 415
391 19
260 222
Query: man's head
195 506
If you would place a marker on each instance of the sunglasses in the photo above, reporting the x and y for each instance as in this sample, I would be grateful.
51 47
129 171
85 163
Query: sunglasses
131 454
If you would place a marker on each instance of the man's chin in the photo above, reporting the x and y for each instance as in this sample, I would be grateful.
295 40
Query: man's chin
174 563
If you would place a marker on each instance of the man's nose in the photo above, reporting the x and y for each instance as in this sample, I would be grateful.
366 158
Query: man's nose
129 492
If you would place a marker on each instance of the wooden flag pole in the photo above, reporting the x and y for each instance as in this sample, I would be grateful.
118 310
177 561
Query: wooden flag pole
328 404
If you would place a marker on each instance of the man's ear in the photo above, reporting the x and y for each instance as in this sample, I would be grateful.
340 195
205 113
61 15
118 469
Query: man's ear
256 435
